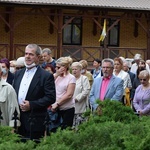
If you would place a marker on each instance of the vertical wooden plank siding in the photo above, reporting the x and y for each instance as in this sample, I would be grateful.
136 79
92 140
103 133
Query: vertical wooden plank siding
11 21
59 33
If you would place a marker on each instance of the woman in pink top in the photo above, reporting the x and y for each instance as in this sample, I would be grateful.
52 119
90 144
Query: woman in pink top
65 86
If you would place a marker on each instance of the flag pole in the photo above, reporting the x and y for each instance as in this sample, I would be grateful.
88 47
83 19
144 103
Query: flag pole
105 49
103 38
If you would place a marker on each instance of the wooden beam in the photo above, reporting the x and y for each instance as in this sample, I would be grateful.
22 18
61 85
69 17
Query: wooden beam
148 44
59 33
23 18
116 22
69 21
138 21
4 21
11 52
52 22
98 24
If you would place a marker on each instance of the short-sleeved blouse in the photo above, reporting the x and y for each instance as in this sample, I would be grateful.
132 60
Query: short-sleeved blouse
61 84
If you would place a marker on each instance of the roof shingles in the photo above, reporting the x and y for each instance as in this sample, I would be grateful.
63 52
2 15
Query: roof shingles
118 4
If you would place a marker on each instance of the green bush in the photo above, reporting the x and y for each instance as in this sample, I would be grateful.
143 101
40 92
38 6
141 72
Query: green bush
115 111
101 136
11 141
112 127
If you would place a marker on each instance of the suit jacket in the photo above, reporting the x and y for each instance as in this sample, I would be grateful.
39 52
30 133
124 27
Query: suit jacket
136 83
41 94
132 76
10 78
114 90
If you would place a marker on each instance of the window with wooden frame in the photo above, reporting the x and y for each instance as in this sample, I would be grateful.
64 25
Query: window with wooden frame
113 34
72 33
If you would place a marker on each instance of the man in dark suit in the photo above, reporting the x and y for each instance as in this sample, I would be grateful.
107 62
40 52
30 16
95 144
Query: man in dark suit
35 89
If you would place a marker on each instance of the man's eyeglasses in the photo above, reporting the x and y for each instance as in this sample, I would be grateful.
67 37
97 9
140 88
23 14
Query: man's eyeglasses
142 79
106 67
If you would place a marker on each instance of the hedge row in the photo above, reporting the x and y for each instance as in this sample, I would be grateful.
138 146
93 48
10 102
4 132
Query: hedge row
112 126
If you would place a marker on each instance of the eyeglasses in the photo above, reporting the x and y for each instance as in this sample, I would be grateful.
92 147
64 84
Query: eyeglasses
116 64
58 67
142 79
106 67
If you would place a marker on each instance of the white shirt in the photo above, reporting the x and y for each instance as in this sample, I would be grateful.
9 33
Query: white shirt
97 73
126 78
25 83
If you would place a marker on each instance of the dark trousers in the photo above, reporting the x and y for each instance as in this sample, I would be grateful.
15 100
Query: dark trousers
122 100
30 135
67 117
32 127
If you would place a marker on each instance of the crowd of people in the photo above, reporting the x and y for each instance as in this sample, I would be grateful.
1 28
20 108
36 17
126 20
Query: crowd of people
34 88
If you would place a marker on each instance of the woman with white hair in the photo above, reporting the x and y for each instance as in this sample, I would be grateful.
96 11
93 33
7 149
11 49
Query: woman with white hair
20 63
141 101
81 93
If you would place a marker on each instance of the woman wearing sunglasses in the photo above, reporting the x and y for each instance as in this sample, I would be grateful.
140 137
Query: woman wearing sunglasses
141 101
65 86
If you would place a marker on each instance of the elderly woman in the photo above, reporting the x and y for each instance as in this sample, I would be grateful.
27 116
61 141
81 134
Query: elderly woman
81 93
141 101
84 71
119 72
12 68
65 86
8 103
6 74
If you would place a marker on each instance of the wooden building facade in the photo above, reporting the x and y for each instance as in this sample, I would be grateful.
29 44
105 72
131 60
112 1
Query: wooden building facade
69 29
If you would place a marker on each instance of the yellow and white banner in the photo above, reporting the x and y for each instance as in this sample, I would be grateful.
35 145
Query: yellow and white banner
103 35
